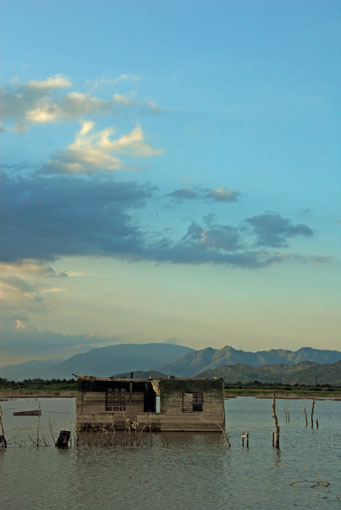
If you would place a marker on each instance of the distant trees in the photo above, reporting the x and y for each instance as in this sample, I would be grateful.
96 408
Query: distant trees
39 384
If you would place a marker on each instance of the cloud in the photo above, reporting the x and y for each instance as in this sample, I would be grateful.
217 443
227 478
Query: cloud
54 82
209 243
94 151
19 296
21 325
40 102
273 230
74 274
27 268
222 195
221 237
47 217
107 82
216 195
20 340
16 293
53 290
179 195
125 100
125 77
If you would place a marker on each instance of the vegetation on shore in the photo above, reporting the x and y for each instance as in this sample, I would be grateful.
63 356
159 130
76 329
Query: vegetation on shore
255 388
38 385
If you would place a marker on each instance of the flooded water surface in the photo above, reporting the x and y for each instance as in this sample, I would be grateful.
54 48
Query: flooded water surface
175 470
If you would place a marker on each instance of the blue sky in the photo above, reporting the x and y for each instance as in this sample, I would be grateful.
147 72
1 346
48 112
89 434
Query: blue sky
170 172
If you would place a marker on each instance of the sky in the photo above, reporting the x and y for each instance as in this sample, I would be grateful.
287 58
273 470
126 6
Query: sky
169 172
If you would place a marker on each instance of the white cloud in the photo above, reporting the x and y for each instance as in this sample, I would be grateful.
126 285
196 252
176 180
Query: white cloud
107 82
126 77
46 101
54 82
53 290
15 291
21 325
94 151
222 194
124 100
74 274
27 267
44 112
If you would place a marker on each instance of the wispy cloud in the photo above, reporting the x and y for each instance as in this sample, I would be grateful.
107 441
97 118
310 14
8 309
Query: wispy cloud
26 268
221 194
182 194
109 82
273 230
47 101
77 216
15 291
94 151
54 82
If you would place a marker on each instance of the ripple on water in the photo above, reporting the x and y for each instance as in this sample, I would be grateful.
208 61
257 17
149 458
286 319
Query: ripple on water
179 471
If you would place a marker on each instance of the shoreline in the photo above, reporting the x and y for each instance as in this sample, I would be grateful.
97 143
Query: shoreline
6 395
9 394
282 395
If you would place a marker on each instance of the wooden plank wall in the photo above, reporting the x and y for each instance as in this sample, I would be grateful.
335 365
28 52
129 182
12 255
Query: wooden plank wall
90 409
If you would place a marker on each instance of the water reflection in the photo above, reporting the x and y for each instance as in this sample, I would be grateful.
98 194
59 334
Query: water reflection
176 470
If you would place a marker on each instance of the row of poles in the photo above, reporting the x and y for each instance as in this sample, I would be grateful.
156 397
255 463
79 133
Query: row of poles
62 441
64 437
276 433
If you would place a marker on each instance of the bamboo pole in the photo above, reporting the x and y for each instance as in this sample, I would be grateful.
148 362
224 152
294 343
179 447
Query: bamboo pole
225 435
312 414
306 417
38 428
275 438
3 441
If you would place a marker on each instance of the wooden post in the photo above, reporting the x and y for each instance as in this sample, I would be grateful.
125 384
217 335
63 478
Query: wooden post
38 428
317 424
274 415
63 440
243 437
3 442
225 435
306 418
247 440
312 414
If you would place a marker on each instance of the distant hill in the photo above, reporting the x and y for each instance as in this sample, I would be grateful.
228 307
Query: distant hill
206 359
101 362
307 372
28 370
169 359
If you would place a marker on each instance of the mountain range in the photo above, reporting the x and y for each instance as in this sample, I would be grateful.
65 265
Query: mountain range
196 362
174 360
101 362
307 372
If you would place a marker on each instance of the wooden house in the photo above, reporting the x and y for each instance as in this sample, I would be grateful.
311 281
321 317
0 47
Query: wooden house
185 404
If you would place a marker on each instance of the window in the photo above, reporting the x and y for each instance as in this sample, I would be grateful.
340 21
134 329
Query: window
192 402
115 399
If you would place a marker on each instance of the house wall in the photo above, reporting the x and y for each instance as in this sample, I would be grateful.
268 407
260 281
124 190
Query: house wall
91 411
212 416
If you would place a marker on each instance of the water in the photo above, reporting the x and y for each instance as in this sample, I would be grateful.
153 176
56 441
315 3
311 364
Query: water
179 471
